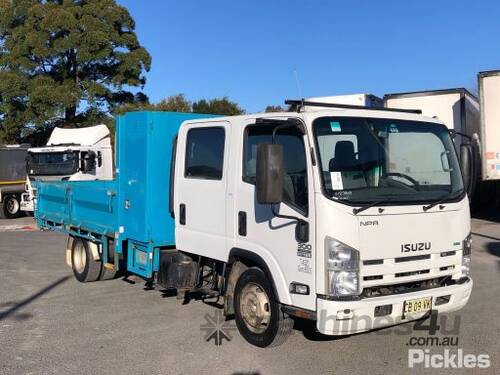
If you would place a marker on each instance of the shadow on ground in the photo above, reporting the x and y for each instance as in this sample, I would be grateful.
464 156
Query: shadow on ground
14 306
493 248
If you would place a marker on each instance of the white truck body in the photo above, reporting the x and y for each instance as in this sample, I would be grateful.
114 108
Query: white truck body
67 146
457 108
364 100
399 245
489 96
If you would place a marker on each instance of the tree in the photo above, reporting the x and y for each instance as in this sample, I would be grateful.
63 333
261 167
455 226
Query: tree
222 106
174 103
274 108
65 63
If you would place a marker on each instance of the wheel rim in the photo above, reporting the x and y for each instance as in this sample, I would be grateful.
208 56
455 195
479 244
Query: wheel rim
79 257
255 308
12 206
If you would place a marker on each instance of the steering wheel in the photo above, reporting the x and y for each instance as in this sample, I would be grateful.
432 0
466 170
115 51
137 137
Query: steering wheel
414 182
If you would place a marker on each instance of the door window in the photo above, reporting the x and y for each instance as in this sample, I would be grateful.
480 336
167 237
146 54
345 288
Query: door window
295 191
205 153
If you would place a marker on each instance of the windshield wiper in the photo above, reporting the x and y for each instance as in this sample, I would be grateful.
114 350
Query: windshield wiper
356 211
440 200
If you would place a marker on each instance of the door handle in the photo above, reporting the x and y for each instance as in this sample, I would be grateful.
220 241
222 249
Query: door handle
182 214
242 223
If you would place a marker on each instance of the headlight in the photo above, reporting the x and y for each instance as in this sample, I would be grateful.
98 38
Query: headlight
342 268
466 253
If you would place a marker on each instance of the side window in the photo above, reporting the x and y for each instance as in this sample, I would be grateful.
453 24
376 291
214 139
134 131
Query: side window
205 153
295 192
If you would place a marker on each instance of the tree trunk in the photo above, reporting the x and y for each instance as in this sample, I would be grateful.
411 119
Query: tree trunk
69 115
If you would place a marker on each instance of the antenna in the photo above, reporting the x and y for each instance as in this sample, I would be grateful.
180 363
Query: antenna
297 82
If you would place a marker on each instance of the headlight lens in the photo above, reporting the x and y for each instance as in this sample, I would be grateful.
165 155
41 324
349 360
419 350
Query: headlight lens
344 283
466 253
342 268
467 245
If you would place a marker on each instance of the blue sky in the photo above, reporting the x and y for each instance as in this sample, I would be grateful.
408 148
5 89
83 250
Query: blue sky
250 50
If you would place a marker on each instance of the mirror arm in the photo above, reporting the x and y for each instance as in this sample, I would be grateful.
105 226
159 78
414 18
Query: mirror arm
462 135
301 226
277 214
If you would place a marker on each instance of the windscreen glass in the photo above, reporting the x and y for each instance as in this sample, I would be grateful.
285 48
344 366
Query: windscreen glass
364 160
52 164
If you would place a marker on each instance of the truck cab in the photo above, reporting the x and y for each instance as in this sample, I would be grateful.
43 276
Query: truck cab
356 218
70 154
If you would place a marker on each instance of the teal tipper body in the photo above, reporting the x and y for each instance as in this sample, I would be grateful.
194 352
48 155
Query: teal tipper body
134 207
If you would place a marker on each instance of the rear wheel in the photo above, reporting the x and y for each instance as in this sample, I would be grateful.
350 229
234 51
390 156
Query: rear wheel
258 314
85 268
11 207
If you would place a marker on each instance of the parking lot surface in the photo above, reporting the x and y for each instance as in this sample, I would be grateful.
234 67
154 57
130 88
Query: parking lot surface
51 324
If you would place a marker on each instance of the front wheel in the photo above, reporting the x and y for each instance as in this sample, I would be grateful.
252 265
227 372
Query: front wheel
258 314
11 207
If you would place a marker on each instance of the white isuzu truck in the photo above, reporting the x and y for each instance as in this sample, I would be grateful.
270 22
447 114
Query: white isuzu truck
70 154
354 217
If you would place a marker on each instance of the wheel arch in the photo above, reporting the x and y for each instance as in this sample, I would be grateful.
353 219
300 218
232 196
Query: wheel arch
250 258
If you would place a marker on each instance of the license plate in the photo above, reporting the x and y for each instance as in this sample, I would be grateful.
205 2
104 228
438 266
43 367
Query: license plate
417 306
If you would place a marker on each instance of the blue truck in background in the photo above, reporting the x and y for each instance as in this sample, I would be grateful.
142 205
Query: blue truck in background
130 213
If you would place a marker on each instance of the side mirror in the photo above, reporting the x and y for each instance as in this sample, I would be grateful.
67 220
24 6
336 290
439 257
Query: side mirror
467 166
270 173
88 161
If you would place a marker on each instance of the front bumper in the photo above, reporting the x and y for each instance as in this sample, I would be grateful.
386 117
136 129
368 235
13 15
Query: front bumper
349 317
27 204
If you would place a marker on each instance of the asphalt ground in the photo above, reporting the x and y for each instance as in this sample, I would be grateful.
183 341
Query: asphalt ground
52 324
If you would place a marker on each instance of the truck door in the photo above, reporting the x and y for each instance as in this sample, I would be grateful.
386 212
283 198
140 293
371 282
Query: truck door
200 189
272 238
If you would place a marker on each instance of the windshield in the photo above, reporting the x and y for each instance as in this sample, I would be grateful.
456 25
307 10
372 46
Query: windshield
369 159
52 163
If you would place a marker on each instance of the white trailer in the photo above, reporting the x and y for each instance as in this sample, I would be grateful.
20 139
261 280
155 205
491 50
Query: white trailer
70 154
457 108
489 96
363 100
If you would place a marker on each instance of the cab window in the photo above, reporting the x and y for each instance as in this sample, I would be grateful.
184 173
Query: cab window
295 190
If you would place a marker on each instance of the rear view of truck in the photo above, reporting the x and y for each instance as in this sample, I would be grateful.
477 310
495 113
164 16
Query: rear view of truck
12 179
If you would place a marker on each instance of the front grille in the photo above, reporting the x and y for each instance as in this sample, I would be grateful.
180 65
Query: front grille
372 262
386 290
379 272
412 273
374 277
411 259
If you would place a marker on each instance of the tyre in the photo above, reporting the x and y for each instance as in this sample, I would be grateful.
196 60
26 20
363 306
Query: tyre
107 273
258 314
11 207
85 268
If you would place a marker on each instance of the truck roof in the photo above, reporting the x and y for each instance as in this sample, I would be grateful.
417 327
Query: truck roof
409 94
311 114
88 136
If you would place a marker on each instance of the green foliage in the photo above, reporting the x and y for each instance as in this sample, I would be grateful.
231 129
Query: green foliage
222 106
65 63
174 103
274 108
179 103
